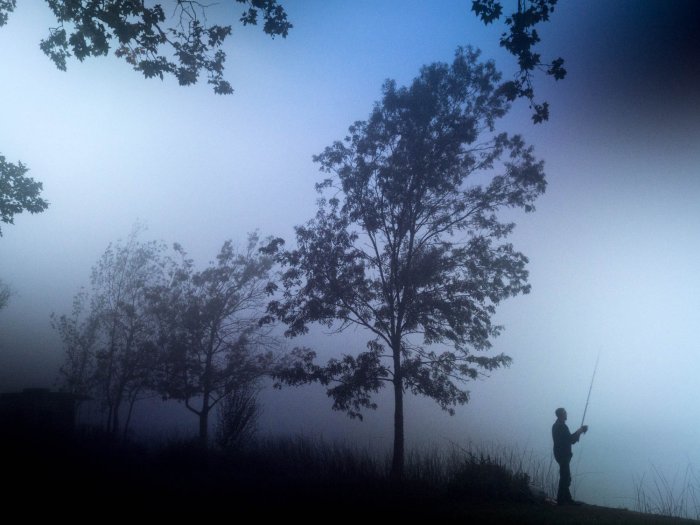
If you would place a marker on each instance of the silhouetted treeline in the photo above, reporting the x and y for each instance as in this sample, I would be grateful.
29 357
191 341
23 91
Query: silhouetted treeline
151 324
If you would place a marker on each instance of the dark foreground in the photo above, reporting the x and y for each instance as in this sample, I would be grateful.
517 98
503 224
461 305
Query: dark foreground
94 479
543 514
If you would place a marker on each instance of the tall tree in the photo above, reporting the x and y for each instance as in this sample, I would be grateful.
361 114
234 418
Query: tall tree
409 245
211 340
108 339
18 192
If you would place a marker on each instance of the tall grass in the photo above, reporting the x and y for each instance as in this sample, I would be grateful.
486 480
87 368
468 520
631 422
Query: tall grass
292 468
677 497
445 464
297 474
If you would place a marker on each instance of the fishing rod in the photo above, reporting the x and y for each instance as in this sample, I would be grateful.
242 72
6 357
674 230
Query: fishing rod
595 368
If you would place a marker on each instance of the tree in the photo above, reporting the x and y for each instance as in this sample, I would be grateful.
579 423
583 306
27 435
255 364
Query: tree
519 41
110 354
18 192
210 338
79 334
409 245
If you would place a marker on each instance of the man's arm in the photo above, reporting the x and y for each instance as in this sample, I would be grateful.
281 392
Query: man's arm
576 435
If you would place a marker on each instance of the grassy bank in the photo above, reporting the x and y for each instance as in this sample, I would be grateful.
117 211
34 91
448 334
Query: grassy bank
290 479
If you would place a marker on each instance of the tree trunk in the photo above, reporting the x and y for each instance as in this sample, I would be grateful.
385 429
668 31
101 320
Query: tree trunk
204 421
115 417
132 402
108 422
397 462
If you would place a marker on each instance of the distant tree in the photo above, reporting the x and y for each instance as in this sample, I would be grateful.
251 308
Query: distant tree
210 338
409 244
519 40
18 192
110 354
79 334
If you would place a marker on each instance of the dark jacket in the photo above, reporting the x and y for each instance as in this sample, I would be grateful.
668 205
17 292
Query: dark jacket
563 439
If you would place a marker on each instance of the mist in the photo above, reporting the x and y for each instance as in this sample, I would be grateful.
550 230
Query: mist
612 245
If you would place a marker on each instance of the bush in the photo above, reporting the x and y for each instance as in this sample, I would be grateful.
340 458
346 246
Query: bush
481 478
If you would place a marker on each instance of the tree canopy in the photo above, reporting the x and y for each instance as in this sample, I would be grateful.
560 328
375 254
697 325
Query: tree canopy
182 43
155 43
407 242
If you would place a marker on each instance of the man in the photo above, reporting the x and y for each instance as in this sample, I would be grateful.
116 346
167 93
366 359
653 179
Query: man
563 439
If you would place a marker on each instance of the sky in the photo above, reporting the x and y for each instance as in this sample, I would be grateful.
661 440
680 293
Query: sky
613 244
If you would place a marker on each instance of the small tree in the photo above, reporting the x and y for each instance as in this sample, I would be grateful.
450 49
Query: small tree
408 247
210 337
237 417
79 333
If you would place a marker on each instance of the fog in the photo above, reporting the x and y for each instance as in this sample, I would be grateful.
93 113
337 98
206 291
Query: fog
613 244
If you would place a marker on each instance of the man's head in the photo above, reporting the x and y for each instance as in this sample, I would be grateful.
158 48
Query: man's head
560 413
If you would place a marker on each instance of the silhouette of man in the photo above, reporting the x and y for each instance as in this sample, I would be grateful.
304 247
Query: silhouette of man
563 439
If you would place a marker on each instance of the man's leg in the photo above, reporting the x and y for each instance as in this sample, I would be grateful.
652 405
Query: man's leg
564 495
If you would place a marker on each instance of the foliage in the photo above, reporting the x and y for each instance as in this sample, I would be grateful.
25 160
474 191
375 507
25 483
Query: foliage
408 247
141 35
18 192
110 355
6 7
79 335
150 324
209 336
519 40
183 44
483 478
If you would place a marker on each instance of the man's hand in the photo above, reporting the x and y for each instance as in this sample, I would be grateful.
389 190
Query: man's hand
584 428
